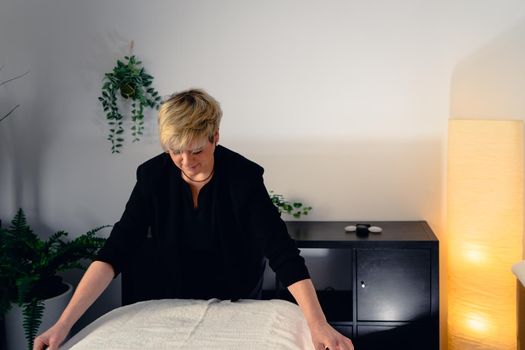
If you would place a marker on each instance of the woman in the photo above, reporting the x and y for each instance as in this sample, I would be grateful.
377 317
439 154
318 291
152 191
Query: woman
199 224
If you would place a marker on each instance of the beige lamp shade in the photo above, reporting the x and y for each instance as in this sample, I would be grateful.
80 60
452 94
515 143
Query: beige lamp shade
484 232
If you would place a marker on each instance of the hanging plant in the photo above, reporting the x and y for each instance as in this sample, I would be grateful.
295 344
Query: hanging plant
130 81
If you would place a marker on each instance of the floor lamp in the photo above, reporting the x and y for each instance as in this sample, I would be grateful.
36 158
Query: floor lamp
484 232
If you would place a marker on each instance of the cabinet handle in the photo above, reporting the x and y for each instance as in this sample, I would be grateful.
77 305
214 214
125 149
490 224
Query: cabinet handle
363 285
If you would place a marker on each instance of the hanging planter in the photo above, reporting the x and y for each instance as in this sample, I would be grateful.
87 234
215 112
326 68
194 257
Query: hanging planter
129 81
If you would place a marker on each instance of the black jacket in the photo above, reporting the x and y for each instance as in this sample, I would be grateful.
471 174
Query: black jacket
145 244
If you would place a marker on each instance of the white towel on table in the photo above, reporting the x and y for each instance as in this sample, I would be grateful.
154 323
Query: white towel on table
198 324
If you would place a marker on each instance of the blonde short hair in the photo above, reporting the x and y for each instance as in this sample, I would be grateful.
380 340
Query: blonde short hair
187 116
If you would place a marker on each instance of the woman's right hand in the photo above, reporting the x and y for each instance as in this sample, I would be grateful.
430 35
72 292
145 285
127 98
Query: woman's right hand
92 284
52 338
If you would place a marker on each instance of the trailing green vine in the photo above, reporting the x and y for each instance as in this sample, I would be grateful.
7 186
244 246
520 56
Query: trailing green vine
128 79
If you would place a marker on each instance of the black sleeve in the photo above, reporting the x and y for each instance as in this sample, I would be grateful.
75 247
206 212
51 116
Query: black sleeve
270 231
130 231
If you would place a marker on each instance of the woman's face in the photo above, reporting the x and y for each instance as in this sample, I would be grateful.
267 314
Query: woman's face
196 161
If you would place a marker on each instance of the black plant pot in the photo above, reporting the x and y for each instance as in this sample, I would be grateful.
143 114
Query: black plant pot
14 331
127 90
48 287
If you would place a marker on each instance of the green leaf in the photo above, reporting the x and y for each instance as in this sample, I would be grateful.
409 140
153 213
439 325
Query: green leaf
32 314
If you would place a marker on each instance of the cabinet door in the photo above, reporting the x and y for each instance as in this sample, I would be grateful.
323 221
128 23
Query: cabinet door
393 284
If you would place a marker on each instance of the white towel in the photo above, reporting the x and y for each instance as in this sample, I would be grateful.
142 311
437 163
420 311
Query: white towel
198 325
519 270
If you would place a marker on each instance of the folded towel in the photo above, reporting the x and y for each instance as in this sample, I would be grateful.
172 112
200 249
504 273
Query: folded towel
519 270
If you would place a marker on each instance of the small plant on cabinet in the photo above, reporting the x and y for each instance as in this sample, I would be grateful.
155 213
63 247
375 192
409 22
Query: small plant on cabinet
295 209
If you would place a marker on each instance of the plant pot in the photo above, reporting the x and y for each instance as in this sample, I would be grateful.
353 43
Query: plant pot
14 330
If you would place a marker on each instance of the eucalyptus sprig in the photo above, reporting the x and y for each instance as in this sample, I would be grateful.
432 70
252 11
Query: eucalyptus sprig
130 80
296 209
5 115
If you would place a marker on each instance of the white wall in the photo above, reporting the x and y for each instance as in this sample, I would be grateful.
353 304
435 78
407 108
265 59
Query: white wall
345 103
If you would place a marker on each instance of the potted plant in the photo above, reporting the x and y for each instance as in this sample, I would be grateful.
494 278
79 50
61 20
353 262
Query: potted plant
296 209
129 80
29 267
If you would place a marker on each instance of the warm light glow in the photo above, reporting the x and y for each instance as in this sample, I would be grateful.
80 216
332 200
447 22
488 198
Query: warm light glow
477 323
484 232
474 254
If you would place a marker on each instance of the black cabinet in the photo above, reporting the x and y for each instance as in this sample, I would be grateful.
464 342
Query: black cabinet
392 298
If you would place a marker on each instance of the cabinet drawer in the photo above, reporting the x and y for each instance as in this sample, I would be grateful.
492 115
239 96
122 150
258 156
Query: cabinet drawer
411 336
393 284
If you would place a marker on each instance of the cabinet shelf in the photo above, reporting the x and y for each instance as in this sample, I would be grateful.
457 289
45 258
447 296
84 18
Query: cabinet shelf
337 305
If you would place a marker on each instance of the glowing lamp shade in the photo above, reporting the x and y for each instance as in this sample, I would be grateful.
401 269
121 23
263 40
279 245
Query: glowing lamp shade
484 232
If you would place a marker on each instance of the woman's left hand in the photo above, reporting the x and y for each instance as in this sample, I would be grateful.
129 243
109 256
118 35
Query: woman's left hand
325 336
